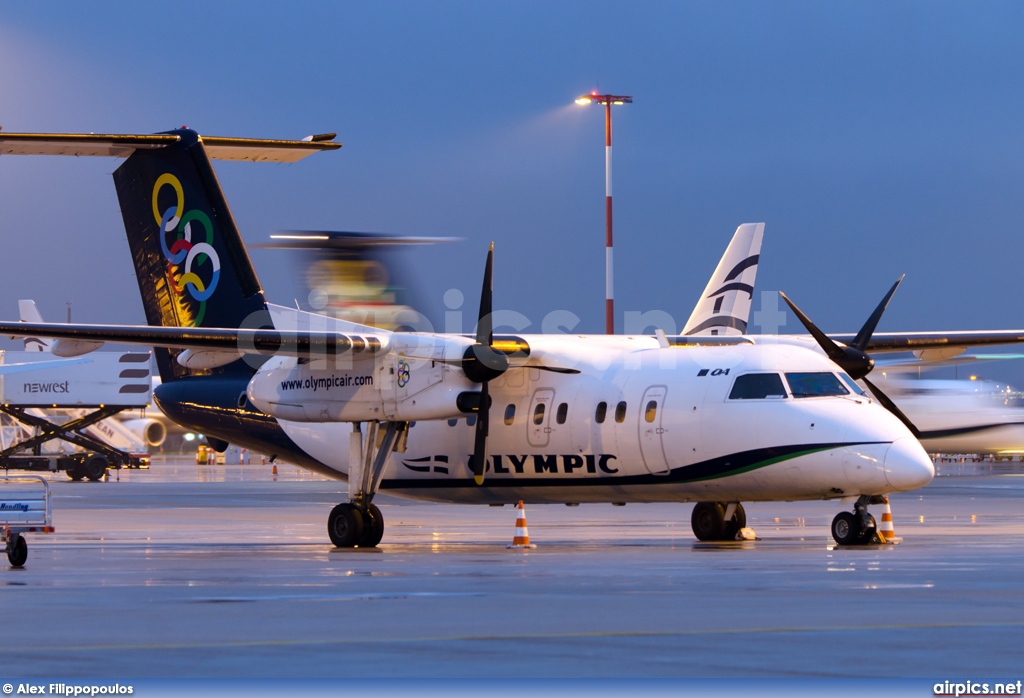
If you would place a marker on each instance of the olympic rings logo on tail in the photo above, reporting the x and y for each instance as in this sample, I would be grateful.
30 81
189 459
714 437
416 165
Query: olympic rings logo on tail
185 252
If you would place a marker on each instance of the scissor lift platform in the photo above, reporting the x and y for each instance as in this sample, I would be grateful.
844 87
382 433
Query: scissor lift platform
96 386
92 463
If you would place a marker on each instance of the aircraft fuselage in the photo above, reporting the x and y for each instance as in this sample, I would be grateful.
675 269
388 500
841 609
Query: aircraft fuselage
637 423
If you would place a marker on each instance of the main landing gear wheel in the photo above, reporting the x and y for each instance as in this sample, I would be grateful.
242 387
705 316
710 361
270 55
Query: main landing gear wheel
345 525
373 527
17 550
708 521
848 529
709 524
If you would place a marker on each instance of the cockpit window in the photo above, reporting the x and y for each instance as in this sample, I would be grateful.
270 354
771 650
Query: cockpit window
815 384
852 384
757 386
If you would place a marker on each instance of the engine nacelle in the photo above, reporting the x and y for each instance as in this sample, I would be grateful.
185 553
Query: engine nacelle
413 382
67 348
149 431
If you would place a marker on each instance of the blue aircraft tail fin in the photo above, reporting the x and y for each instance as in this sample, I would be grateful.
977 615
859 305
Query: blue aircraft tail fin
192 267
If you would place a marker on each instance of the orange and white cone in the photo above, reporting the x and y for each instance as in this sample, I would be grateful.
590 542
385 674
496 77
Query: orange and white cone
522 537
885 528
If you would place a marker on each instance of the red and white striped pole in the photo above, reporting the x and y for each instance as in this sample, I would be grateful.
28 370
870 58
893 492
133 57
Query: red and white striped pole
609 285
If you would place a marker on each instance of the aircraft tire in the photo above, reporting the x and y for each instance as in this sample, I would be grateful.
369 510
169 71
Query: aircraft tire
17 551
95 468
846 529
739 520
345 525
708 521
373 527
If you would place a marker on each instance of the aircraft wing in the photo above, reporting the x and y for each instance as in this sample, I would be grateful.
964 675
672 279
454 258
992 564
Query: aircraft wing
27 366
300 343
123 145
913 363
920 341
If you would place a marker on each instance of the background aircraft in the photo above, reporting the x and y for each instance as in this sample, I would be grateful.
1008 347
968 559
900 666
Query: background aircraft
136 431
952 416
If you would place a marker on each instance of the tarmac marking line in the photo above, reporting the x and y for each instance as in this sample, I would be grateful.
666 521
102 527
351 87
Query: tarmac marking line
514 637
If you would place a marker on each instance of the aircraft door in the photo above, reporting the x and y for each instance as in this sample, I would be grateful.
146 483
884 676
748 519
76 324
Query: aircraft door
652 409
539 417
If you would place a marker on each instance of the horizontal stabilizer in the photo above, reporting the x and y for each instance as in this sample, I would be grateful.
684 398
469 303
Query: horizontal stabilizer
123 145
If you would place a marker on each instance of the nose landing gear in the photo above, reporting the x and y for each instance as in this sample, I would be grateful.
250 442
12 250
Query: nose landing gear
857 527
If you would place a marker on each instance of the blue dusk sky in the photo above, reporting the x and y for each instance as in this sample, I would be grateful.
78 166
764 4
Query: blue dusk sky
873 139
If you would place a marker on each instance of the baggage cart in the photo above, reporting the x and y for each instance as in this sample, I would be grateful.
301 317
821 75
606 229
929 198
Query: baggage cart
24 508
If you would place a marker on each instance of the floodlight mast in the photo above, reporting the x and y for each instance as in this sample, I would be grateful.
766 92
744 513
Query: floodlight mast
607 101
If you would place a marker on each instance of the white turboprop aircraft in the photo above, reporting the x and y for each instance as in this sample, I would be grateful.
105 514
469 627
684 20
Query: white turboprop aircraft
488 418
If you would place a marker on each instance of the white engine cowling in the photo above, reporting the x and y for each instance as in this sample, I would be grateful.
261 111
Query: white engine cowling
150 431
416 380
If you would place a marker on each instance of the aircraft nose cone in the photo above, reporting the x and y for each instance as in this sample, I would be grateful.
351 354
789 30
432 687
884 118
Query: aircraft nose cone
907 466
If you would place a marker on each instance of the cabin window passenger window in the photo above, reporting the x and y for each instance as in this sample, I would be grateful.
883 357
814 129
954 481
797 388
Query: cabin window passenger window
538 414
651 411
562 413
757 386
510 414
818 384
620 412
602 410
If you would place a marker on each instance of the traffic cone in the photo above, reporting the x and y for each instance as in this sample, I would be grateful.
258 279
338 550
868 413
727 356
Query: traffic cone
886 529
522 537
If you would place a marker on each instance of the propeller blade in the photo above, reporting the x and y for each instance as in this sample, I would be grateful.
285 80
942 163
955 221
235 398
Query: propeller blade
851 359
466 360
888 404
833 350
484 326
479 463
864 336
482 362
553 369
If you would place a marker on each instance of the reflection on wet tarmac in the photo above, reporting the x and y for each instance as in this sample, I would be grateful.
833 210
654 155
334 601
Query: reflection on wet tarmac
225 571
